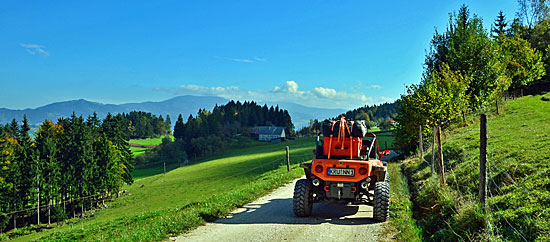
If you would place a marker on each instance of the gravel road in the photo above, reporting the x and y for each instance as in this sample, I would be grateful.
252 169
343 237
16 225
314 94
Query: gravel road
271 218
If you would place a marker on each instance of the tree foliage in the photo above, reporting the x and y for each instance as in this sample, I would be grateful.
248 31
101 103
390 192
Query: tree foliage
523 63
143 125
66 160
467 48
466 70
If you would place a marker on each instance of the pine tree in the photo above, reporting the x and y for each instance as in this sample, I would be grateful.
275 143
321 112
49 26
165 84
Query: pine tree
499 27
179 128
168 125
26 156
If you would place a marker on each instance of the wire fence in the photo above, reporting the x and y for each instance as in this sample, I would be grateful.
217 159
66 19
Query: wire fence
529 222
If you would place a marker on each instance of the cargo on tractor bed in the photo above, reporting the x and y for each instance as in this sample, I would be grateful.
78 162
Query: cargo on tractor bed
346 168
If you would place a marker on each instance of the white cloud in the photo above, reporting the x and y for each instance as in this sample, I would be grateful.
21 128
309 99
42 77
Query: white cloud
242 60
290 87
33 49
260 59
321 97
324 92
375 86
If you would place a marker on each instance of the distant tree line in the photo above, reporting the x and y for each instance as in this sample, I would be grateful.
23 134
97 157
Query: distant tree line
143 125
67 160
375 115
209 132
468 68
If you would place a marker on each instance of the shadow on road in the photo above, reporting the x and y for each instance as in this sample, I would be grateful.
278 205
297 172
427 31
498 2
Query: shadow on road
279 211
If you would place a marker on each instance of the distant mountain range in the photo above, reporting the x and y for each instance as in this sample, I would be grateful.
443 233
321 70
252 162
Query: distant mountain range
184 105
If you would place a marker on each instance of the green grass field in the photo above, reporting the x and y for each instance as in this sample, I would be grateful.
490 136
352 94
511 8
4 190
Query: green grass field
139 150
385 139
519 178
156 206
152 141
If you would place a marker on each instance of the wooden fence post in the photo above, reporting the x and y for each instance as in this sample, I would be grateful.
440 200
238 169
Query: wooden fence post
521 93
483 161
164 163
440 151
496 102
434 130
287 159
420 143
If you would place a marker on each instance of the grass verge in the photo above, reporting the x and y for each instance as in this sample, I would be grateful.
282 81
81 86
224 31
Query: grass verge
401 226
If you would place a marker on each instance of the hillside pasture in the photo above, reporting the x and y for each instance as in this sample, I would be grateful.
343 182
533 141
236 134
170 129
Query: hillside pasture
518 178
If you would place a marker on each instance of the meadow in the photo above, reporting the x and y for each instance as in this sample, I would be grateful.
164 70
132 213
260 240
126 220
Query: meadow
155 207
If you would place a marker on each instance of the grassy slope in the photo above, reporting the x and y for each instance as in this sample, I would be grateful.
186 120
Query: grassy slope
518 145
138 150
151 141
156 206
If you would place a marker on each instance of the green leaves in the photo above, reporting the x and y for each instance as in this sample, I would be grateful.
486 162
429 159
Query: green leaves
523 64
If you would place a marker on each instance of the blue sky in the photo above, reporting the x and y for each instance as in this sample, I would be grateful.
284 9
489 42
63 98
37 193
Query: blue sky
335 54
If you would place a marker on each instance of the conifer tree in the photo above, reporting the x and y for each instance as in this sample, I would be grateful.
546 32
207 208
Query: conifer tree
179 128
499 27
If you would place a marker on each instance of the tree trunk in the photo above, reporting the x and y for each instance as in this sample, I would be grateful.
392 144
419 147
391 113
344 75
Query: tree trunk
49 213
38 207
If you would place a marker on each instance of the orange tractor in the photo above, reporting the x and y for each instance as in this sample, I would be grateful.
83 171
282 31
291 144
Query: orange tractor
346 168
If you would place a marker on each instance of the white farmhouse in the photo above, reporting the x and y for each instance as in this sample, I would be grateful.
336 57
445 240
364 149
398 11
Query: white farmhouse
269 133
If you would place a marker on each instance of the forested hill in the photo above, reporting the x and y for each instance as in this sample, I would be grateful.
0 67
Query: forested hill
210 132
375 114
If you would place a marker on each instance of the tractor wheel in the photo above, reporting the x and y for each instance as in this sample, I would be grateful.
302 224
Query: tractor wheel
381 201
387 179
303 198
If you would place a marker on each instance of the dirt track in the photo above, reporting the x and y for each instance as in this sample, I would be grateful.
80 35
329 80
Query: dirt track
271 218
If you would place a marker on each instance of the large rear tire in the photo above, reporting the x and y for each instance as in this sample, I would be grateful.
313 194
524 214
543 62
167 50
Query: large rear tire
303 198
381 201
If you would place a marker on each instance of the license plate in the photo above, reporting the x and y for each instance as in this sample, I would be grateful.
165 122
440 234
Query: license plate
340 172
